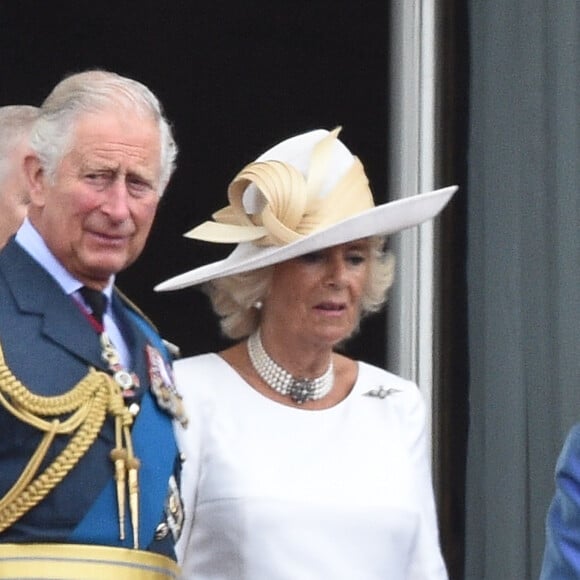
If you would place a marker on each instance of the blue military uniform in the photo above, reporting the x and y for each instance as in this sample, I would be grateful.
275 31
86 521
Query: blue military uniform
48 348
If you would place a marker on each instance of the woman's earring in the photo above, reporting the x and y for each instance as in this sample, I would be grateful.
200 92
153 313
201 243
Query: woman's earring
257 305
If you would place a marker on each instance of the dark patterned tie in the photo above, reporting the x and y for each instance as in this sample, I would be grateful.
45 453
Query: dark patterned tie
96 300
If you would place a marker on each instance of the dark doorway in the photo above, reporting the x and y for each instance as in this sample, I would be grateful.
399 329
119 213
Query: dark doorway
235 78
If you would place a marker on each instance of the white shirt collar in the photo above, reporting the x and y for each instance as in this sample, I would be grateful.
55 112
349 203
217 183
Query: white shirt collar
32 242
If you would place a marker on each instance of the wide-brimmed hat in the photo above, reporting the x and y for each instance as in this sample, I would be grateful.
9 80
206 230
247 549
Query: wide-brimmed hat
305 194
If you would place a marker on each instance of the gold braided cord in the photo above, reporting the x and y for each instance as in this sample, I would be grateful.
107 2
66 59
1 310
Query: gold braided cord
31 469
25 494
291 205
37 404
59 427
88 404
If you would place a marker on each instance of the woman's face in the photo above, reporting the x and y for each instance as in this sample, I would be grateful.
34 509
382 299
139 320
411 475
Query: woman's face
317 297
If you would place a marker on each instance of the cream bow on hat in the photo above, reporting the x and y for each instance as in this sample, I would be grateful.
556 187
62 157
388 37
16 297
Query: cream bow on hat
305 194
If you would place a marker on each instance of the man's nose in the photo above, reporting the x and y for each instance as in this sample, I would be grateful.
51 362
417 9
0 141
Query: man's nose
116 206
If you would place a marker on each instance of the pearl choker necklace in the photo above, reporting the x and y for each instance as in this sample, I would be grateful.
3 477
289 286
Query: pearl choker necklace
300 390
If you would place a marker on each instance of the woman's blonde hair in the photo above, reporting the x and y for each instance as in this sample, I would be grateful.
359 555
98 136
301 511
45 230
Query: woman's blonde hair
236 299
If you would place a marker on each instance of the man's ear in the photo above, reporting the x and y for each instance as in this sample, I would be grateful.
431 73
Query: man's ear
35 178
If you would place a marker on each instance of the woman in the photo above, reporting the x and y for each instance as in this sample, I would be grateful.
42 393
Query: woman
300 462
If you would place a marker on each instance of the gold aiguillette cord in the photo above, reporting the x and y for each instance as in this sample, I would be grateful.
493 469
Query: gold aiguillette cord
126 467
123 457
119 457
133 465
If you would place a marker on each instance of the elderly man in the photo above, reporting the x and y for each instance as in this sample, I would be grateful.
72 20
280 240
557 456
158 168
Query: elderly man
89 467
15 124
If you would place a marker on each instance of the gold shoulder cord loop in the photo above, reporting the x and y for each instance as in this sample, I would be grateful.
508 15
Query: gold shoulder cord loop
85 407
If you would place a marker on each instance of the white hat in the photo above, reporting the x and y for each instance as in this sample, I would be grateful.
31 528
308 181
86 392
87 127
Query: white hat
305 194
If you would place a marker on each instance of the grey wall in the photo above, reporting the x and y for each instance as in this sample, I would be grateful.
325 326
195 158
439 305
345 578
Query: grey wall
523 274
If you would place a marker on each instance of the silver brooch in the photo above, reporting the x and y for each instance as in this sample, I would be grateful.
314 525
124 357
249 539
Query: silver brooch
380 392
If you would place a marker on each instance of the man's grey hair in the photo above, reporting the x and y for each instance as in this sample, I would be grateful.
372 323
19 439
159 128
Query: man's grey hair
94 91
234 297
15 125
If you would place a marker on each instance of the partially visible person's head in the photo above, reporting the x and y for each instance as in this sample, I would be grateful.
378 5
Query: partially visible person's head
103 154
15 126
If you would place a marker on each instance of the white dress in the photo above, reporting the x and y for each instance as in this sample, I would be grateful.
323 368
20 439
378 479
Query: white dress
272 492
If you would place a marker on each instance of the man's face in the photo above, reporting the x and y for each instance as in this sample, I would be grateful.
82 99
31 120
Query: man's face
13 193
96 214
